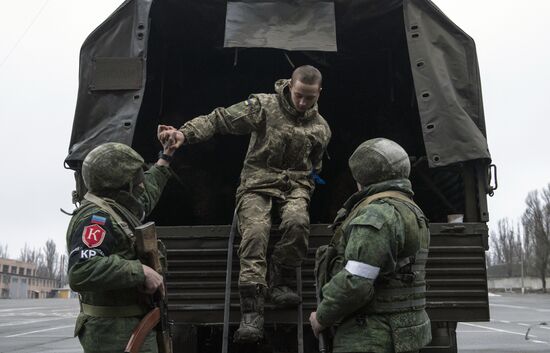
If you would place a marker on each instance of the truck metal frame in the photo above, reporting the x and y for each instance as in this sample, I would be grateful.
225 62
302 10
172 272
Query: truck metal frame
398 69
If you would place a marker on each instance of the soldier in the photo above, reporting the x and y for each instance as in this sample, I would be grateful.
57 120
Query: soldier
376 297
288 140
103 265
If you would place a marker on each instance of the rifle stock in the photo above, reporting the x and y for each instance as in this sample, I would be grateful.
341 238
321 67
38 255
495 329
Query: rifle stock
148 323
146 244
147 248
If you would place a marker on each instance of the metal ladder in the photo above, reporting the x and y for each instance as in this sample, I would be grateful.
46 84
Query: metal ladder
227 302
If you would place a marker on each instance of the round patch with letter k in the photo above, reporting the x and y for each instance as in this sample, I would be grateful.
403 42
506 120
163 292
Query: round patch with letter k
93 235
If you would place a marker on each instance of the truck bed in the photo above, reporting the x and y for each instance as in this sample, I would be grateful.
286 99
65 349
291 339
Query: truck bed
456 277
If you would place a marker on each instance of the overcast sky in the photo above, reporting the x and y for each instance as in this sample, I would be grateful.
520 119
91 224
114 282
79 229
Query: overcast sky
39 49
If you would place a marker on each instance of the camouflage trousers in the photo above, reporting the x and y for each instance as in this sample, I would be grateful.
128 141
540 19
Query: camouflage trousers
254 214
108 335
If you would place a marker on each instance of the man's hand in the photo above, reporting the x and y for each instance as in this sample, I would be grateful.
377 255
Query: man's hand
153 280
170 138
315 325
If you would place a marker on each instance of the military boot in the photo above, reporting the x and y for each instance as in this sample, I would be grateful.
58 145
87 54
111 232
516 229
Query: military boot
280 293
251 328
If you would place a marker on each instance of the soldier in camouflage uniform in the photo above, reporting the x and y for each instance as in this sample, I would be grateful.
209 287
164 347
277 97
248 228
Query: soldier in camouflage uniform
375 293
287 143
103 266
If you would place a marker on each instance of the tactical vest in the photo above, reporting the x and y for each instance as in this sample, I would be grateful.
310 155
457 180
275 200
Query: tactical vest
405 288
119 303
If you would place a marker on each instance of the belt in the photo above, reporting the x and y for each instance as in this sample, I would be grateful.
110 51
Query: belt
113 311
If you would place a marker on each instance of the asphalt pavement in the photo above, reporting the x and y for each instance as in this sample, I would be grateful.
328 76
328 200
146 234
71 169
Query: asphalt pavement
38 326
511 316
46 326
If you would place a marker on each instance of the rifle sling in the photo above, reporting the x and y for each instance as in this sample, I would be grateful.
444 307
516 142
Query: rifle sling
114 311
105 206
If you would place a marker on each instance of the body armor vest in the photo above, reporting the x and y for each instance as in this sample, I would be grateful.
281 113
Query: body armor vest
404 289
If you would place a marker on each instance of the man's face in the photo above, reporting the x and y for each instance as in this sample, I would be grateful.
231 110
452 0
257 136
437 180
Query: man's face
303 96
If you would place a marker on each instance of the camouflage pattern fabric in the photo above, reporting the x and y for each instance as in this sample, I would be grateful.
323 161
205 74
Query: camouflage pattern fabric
103 265
255 224
376 236
285 148
379 159
110 166
108 335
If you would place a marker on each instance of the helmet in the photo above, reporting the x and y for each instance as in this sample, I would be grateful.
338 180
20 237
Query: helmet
110 166
377 160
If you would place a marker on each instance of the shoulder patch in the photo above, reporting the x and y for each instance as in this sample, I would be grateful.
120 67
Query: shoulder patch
93 235
375 215
98 220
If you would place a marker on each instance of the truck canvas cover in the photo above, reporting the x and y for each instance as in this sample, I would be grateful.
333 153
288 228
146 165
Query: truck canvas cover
442 62
398 69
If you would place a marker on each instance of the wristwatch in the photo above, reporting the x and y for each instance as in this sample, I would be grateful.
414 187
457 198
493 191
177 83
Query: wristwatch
164 156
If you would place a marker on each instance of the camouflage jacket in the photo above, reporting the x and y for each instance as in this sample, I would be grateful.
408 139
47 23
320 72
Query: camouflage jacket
379 236
285 146
103 264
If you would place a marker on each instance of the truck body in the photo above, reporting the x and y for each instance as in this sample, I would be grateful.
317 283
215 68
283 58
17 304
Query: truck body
397 69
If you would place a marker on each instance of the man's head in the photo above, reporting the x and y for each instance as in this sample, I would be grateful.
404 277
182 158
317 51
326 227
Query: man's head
377 160
112 166
305 87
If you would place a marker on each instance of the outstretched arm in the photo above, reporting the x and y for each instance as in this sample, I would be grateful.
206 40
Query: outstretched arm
238 119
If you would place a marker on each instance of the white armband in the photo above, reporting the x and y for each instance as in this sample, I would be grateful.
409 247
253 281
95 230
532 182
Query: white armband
362 269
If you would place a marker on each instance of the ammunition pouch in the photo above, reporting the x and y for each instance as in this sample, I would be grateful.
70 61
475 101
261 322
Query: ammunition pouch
327 264
403 290
415 325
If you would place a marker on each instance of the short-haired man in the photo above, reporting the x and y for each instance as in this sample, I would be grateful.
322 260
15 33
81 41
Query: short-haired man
287 144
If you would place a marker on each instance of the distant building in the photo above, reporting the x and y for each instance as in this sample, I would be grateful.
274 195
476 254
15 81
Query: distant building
19 280
64 293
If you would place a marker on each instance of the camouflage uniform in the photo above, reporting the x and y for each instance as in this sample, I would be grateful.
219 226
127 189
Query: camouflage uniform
285 148
104 269
387 315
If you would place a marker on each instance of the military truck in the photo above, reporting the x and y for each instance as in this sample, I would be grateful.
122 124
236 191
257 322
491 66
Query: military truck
398 69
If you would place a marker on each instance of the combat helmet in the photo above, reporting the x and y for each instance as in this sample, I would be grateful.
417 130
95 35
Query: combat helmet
111 166
377 160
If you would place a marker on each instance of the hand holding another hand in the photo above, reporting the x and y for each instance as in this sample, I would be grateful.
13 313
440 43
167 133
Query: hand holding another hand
170 138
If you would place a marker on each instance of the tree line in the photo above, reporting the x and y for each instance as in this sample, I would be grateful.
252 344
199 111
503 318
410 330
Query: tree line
49 263
527 240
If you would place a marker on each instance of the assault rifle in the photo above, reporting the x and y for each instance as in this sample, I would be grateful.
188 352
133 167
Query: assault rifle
147 249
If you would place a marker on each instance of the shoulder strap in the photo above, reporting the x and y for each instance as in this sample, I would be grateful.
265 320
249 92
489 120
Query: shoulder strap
394 194
107 208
